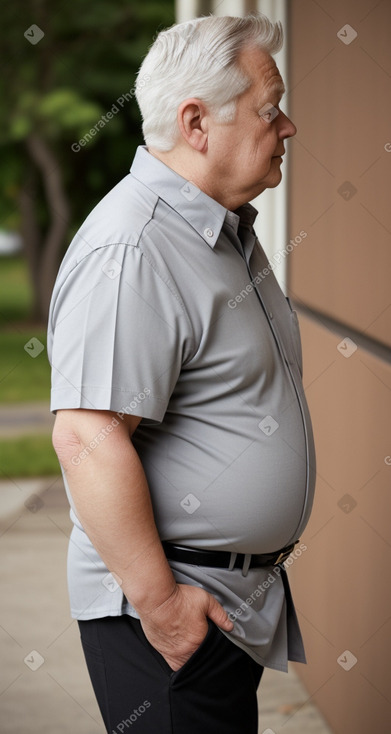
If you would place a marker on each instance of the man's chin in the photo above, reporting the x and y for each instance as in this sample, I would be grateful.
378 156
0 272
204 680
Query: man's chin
273 180
269 182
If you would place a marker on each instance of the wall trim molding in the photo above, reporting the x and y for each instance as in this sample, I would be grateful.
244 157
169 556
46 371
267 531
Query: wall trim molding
369 344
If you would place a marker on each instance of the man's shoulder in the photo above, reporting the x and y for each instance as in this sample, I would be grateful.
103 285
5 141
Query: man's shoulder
121 215
117 219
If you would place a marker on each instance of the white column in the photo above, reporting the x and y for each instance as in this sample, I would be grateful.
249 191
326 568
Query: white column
228 7
186 10
272 222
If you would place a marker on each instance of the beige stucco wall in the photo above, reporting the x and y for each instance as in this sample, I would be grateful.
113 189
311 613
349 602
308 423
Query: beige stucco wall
341 583
339 97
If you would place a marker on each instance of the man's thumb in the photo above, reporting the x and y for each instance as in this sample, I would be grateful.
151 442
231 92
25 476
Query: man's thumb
218 615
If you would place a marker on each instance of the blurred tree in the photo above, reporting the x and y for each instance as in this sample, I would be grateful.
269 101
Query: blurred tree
55 88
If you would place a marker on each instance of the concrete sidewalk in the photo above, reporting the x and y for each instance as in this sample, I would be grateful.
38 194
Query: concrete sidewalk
22 418
44 685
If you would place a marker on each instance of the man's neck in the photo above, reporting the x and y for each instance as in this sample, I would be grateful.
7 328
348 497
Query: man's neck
191 168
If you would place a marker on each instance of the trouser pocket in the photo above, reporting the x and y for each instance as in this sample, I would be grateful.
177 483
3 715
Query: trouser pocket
199 654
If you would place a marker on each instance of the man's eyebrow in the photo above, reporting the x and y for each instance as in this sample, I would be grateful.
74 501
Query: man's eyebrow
275 88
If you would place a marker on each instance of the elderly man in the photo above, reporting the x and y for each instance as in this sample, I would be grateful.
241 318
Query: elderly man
182 427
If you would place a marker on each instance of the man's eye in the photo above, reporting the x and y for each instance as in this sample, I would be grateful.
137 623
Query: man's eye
268 112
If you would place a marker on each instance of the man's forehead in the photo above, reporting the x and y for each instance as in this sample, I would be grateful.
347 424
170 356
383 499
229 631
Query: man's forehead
269 77
263 70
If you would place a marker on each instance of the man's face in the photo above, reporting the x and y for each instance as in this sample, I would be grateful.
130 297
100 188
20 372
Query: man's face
244 155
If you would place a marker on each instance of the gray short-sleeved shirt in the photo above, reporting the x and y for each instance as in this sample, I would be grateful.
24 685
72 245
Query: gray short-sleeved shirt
165 306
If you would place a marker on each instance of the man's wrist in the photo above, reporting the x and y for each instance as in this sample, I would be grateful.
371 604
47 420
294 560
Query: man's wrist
151 605
152 585
146 602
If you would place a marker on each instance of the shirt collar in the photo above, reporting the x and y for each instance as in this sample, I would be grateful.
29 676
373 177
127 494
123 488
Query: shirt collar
202 212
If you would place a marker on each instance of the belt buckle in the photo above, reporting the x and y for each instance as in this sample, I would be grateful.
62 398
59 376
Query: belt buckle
284 554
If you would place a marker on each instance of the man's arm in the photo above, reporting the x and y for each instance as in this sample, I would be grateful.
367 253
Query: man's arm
112 499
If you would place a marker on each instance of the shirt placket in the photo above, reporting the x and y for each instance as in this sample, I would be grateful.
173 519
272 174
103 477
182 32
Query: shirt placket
273 301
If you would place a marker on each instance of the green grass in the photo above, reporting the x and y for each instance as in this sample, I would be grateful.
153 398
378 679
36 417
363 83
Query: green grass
24 375
15 290
28 456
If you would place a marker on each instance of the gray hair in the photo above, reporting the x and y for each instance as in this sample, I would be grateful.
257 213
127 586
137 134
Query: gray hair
199 59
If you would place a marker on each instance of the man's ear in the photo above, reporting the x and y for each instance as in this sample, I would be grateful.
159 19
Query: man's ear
192 122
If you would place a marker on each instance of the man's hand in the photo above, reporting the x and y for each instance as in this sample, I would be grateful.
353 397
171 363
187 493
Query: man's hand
177 627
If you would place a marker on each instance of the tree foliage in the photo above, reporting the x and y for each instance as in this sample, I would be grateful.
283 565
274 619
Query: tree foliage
54 92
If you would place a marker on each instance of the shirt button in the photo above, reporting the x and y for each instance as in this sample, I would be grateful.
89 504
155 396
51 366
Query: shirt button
271 314
208 232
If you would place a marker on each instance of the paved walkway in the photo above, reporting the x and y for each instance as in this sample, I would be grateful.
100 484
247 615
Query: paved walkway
23 418
44 685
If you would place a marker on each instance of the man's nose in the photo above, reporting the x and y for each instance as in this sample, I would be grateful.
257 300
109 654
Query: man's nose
287 128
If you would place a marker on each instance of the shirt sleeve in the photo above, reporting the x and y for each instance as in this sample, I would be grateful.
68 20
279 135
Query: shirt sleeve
119 334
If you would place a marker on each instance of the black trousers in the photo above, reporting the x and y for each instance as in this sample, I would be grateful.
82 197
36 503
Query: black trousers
213 693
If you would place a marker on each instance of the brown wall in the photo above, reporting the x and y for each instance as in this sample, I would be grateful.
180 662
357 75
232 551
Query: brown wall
340 98
341 584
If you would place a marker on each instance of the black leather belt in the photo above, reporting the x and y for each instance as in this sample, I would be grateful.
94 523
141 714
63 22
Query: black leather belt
224 559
